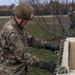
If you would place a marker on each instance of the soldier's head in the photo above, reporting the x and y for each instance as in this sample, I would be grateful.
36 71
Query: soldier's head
23 11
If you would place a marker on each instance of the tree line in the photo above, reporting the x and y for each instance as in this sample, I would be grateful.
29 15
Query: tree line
51 8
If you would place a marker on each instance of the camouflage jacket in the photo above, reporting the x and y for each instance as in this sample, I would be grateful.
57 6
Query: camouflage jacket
13 51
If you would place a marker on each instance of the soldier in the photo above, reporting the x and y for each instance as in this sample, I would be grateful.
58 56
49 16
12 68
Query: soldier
14 56
71 15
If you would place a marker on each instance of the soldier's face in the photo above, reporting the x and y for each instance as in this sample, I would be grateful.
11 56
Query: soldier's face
22 21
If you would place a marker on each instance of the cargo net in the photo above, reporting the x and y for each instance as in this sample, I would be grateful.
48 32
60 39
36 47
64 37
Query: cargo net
60 69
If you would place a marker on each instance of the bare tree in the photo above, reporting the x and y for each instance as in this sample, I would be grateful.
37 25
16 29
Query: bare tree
59 24
60 27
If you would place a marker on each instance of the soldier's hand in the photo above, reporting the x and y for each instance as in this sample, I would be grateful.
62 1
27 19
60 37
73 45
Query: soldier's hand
49 66
52 47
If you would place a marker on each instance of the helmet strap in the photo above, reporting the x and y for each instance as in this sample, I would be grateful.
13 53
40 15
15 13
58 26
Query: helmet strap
19 25
21 22
16 21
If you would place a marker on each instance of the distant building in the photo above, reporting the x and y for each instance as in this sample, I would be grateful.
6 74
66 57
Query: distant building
5 11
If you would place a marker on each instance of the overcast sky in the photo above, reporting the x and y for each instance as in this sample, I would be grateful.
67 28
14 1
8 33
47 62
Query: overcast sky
8 2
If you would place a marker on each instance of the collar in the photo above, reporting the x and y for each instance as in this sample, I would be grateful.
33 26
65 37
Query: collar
16 26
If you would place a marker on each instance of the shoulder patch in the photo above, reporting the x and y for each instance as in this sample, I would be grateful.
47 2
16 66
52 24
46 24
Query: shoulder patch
15 39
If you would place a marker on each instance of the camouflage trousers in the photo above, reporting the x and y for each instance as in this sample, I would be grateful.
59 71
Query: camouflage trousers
11 70
4 73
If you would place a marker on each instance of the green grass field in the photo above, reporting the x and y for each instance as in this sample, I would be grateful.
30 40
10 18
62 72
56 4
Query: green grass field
42 54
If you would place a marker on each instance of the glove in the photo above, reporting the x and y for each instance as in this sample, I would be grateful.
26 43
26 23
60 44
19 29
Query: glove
52 47
49 66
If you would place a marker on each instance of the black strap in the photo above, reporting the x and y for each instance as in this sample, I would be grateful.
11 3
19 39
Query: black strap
19 25
26 69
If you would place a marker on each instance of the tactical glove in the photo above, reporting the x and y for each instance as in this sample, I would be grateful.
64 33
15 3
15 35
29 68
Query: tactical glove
52 47
49 66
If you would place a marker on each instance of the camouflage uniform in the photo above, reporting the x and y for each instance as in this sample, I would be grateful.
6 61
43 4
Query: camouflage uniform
71 15
13 52
14 56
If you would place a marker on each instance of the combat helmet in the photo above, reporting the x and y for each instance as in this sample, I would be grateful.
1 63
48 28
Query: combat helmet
23 10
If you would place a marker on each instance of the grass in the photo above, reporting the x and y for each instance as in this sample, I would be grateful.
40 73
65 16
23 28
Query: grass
42 54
